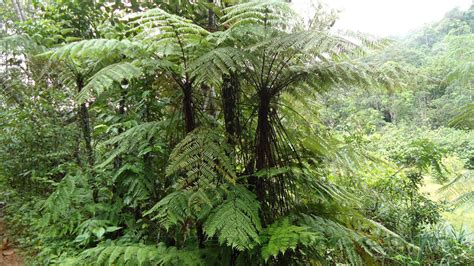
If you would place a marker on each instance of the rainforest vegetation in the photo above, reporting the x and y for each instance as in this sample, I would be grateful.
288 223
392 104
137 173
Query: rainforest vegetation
233 133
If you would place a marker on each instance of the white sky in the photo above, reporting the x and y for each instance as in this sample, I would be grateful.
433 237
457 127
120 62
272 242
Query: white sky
386 17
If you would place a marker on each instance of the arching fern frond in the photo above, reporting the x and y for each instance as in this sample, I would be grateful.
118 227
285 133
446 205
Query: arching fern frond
161 29
180 205
140 254
220 61
282 236
465 118
95 48
270 12
106 77
130 140
172 209
124 254
341 238
236 221
465 200
20 43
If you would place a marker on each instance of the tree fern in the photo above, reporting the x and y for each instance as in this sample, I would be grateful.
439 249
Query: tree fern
220 61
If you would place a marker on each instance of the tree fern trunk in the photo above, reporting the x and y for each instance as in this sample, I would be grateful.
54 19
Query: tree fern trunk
121 114
263 152
188 108
211 18
84 121
190 124
230 96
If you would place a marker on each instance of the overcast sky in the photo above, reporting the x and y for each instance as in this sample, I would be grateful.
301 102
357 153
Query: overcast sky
387 17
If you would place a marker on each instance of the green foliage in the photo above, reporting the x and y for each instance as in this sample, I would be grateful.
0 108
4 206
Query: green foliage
203 159
172 209
95 48
123 255
236 221
244 135
283 236
103 79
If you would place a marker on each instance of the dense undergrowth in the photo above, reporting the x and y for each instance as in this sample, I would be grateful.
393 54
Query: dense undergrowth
194 133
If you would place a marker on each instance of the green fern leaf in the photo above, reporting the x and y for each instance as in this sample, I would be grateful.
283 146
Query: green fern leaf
203 158
283 236
95 48
106 77
172 209
236 221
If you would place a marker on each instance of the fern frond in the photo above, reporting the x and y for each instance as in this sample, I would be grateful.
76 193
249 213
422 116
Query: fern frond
141 254
95 48
130 140
161 29
106 77
61 207
203 159
464 200
236 221
19 43
180 205
283 236
172 209
220 61
269 12
133 254
465 118
342 238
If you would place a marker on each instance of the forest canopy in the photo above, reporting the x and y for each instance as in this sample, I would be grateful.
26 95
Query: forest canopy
233 133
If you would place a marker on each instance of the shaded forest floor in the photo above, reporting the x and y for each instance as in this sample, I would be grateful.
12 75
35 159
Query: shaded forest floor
9 256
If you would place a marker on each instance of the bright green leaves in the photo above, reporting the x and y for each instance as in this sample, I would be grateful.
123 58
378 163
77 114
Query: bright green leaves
236 221
282 236
421 154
